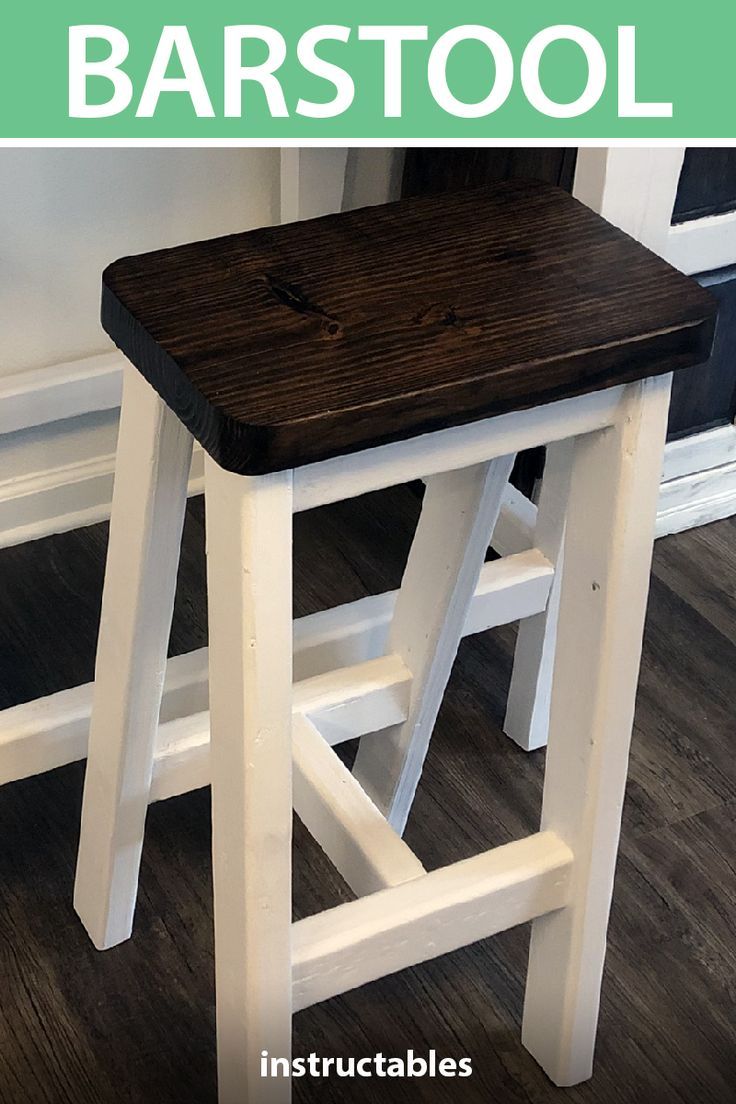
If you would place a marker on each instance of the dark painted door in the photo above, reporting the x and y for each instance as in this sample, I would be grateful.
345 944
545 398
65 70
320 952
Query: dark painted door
703 398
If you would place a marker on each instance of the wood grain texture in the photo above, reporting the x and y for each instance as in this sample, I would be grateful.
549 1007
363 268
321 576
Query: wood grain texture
136 1025
287 345
431 171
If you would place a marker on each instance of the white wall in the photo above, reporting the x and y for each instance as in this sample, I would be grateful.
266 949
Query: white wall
65 213
372 175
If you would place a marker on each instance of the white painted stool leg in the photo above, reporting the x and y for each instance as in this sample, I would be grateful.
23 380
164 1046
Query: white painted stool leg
610 526
249 534
527 708
458 516
149 500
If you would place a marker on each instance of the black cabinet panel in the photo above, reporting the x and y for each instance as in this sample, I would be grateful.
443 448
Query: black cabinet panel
707 184
705 397
430 171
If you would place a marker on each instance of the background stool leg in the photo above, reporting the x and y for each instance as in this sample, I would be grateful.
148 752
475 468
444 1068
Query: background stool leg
249 533
527 708
149 500
610 529
458 516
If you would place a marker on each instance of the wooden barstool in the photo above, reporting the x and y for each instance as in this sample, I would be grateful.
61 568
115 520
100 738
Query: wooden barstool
314 362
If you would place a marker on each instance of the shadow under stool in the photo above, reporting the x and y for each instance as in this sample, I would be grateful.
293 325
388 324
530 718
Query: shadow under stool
431 338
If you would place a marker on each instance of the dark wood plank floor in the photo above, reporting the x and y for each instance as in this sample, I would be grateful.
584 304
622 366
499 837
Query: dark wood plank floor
136 1024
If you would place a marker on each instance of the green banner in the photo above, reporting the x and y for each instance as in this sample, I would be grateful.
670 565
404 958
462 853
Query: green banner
380 70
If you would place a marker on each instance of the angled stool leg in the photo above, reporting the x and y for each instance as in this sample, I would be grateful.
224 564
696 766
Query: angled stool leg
149 500
610 526
458 516
527 708
249 534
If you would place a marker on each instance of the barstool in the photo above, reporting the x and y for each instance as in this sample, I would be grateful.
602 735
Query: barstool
314 362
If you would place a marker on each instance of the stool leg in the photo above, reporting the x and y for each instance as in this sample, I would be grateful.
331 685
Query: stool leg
249 533
149 500
527 708
610 523
458 517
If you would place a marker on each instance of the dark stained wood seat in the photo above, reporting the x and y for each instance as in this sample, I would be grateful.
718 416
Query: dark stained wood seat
290 344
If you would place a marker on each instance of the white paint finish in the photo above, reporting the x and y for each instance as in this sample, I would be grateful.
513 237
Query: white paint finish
345 701
698 487
65 214
44 395
697 499
509 588
703 244
634 188
58 498
342 635
343 820
458 516
372 176
62 493
512 587
514 530
52 731
527 707
249 536
355 943
351 701
43 734
312 182
451 449
323 790
154 455
602 606
182 757
610 523
699 451
699 480
343 704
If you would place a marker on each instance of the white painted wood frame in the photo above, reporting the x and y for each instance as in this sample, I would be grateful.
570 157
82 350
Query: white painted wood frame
527 707
605 580
154 455
337 811
249 575
449 449
561 878
459 514
50 732
358 942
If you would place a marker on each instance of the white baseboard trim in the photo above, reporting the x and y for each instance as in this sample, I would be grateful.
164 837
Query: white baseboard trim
66 497
699 481
39 497
45 395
